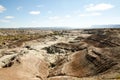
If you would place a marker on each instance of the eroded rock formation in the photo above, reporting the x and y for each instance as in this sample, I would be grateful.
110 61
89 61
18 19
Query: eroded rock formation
91 57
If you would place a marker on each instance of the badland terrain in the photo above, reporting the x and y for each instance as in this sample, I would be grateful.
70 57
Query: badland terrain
76 54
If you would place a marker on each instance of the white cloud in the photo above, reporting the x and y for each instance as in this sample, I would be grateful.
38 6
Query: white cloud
4 21
54 17
2 8
98 7
9 17
34 12
90 14
19 8
67 16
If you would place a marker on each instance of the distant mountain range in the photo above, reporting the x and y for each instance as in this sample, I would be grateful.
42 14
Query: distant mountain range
105 26
48 28
67 28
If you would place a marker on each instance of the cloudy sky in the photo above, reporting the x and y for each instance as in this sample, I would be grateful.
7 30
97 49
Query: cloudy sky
68 13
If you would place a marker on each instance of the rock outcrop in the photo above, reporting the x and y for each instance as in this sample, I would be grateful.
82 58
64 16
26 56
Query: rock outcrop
65 47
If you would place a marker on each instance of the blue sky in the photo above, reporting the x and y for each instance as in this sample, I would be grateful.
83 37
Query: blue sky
49 13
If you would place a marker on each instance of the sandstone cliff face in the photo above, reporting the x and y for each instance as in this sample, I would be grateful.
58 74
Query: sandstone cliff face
91 57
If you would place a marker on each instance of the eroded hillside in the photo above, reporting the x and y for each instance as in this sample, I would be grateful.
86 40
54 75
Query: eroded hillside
61 55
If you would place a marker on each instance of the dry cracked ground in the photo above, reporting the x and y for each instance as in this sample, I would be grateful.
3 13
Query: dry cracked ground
70 55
